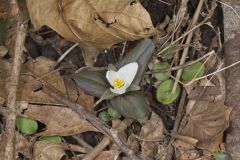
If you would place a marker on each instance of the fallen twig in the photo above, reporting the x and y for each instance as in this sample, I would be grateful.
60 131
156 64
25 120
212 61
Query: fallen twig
16 50
188 41
98 123
65 54
184 65
176 125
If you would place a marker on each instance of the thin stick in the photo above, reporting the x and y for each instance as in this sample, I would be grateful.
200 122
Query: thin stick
188 41
184 65
123 50
184 35
66 53
176 124
98 123
12 85
165 2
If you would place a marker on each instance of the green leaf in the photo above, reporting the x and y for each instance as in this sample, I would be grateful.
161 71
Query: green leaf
161 75
141 54
26 125
170 51
54 139
2 31
195 70
104 116
220 156
131 105
92 82
164 94
113 113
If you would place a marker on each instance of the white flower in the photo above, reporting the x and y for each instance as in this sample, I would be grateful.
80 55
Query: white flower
123 78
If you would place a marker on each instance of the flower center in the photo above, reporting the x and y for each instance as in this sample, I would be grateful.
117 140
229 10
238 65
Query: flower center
118 83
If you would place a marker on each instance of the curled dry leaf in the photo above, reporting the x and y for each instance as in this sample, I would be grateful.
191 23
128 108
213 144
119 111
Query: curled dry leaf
207 124
59 120
45 150
98 23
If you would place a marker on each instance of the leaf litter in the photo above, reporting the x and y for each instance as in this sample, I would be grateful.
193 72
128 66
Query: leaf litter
95 26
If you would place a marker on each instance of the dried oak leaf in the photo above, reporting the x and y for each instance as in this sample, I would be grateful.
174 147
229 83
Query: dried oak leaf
59 120
99 23
207 124
45 150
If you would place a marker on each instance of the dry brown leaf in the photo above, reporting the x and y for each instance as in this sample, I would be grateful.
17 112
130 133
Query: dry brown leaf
23 146
26 90
185 142
153 128
45 150
78 95
208 123
42 67
89 54
133 143
108 155
151 131
99 23
59 120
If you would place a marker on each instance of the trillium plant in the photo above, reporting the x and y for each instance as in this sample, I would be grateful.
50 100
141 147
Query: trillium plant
119 85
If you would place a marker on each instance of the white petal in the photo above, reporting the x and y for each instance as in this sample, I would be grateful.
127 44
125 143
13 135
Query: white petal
128 72
119 90
111 75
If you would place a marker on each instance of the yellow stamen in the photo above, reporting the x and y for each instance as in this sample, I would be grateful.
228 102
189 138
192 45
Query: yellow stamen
118 83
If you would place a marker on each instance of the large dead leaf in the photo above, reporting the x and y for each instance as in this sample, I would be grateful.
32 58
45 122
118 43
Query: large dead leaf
59 120
207 124
99 23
